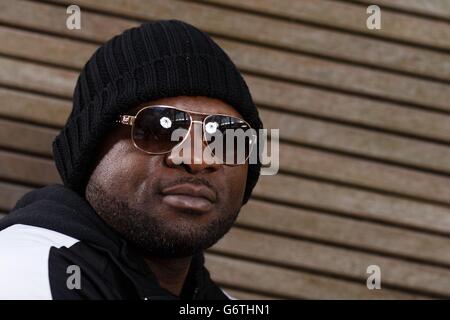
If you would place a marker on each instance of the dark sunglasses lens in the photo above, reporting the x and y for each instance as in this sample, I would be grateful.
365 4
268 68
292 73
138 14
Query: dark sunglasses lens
230 138
154 128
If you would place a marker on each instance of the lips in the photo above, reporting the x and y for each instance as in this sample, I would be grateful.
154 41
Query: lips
192 197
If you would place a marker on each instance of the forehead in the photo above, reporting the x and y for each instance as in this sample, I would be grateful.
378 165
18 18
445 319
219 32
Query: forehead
195 104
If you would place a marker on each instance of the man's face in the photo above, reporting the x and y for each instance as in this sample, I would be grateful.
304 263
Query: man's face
165 209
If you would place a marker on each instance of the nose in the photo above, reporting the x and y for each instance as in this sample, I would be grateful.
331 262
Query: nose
192 153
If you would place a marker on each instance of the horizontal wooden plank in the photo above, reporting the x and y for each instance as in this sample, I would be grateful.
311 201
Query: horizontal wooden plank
332 260
358 141
10 193
27 169
44 48
437 8
277 94
348 108
354 202
338 76
352 17
31 76
360 172
290 283
26 137
34 108
289 35
309 224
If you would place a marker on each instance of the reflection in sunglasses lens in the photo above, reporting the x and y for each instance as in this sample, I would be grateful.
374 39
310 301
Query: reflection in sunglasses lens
153 128
159 129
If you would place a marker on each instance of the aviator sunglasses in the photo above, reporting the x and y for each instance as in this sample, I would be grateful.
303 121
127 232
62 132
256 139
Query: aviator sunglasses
153 128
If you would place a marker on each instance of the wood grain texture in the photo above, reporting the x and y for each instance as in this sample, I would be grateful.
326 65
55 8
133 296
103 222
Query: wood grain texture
364 122
306 255
348 16
27 169
26 137
10 193
354 202
296 284
35 77
301 223
34 108
435 8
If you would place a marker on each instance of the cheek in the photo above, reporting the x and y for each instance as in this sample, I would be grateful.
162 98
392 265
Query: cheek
236 179
123 169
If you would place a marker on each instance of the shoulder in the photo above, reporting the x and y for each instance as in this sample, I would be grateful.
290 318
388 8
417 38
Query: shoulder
24 260
22 236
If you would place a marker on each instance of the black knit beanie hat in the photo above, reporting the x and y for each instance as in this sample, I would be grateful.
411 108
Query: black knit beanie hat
166 58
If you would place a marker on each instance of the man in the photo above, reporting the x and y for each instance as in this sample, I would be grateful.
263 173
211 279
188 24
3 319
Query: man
132 221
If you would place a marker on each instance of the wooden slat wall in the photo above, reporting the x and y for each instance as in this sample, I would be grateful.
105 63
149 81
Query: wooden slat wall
428 8
365 133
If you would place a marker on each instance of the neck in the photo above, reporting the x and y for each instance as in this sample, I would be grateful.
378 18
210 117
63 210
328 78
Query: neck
171 273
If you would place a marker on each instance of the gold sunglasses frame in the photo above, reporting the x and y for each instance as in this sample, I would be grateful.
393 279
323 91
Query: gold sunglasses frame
130 119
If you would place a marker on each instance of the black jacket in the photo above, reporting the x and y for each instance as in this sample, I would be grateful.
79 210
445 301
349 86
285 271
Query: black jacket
52 231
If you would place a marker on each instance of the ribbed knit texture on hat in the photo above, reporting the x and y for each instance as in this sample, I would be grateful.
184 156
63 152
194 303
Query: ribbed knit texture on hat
166 58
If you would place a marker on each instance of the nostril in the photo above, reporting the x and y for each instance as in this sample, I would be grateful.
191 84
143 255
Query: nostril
198 168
